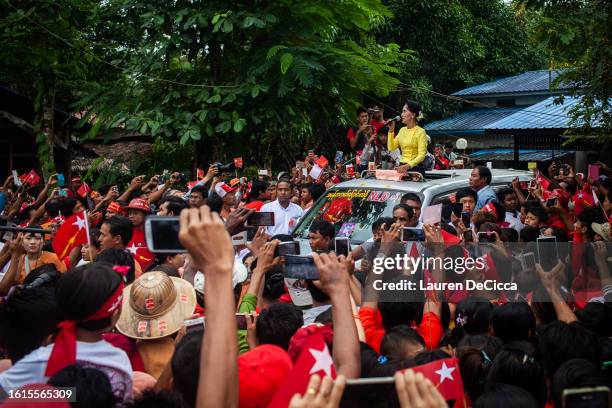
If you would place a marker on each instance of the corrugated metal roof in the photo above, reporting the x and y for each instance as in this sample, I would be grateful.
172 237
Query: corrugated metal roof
524 155
542 115
475 120
531 81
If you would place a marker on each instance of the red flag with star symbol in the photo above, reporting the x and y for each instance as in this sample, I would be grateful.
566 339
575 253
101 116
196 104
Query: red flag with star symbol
315 359
445 376
139 250
73 232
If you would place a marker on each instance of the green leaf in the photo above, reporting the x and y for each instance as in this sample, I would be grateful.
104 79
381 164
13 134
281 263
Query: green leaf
274 50
285 62
184 138
255 91
202 115
239 125
214 99
228 27
215 18
224 127
229 99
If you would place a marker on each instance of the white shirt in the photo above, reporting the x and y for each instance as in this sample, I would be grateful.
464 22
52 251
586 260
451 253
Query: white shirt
101 355
311 314
285 219
514 221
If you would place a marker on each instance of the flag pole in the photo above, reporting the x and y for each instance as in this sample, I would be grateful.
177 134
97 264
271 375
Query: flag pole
88 236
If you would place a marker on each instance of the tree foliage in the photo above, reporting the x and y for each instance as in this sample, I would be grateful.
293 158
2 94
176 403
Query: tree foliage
576 36
264 77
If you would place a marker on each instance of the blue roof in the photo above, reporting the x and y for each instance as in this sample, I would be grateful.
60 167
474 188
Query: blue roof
531 81
473 121
542 115
524 155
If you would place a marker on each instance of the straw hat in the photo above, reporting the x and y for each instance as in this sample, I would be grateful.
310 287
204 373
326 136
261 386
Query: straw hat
155 305
603 230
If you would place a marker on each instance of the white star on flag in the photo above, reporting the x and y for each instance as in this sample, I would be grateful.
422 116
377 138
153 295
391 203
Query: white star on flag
80 222
133 249
580 195
445 372
323 361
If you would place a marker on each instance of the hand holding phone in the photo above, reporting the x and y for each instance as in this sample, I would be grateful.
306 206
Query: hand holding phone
342 246
258 219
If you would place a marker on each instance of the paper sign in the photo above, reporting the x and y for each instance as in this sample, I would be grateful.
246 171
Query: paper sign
339 156
322 162
432 214
350 170
262 172
532 165
593 171
315 172
238 162
490 165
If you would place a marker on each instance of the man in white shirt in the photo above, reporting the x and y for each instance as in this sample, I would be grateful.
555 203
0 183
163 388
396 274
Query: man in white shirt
507 197
286 214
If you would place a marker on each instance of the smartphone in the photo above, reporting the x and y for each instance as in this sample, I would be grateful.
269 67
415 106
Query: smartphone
591 397
530 260
194 324
412 234
239 239
300 267
62 192
551 202
523 185
304 172
342 246
548 253
468 236
488 236
161 234
241 322
465 218
263 172
532 184
458 163
60 180
258 219
287 248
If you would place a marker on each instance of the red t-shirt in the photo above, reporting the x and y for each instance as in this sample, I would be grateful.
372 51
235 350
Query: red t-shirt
256 205
377 125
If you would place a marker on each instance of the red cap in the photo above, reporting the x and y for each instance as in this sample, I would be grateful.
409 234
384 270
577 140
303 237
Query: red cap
139 204
261 372
302 336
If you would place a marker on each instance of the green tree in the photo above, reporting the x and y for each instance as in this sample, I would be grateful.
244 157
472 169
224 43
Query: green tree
458 43
576 37
265 78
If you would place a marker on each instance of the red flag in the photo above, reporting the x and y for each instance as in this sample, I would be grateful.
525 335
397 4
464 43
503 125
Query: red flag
84 190
73 232
543 181
322 162
315 359
445 376
199 174
238 162
30 178
191 184
350 170
139 250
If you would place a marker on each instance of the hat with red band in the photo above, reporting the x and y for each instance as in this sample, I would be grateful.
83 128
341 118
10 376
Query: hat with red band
139 204
115 207
64 350
223 189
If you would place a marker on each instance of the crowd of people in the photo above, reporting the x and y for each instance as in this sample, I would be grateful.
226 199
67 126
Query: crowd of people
86 304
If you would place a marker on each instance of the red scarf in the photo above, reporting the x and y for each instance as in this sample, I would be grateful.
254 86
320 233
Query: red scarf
64 348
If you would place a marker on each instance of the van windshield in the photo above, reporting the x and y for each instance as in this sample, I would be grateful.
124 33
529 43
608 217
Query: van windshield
352 211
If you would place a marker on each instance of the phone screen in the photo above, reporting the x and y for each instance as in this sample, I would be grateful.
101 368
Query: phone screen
241 321
300 267
162 234
550 202
468 236
342 246
265 219
412 234
465 218
287 248
548 255
486 237
598 397
530 260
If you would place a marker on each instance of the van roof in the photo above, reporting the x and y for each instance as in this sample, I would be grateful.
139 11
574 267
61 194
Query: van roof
432 178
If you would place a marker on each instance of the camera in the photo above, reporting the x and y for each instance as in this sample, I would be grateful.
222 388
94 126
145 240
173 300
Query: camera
224 167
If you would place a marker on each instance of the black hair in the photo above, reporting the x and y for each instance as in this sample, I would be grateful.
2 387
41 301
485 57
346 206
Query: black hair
505 396
257 187
91 385
396 313
54 207
560 341
185 366
392 343
501 194
466 192
361 110
82 291
513 321
404 207
274 285
500 211
94 237
285 180
49 270
27 318
472 316
516 365
484 172
278 323
316 190
430 356
200 189
165 268
509 235
410 197
383 131
175 204
540 213
317 294
120 225
215 202
449 145
325 228
380 221
575 373
588 216
558 233
119 257
529 234
413 107
158 399
597 317
68 203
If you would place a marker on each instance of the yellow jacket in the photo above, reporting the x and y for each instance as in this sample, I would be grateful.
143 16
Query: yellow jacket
412 143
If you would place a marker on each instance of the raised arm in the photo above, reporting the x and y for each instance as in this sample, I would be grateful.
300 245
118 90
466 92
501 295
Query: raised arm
207 241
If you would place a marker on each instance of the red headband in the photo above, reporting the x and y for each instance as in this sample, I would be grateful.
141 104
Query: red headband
64 350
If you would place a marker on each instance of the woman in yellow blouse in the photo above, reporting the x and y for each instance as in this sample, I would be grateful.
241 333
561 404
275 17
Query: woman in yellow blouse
411 139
